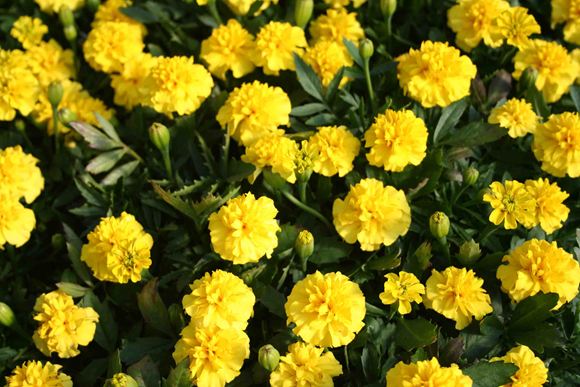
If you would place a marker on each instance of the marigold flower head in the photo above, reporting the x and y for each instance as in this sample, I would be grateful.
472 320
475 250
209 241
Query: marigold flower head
49 62
118 249
396 139
276 151
19 175
326 58
512 204
253 110
556 68
531 373
327 309
403 288
54 6
515 25
130 86
458 295
110 11
242 7
215 355
337 25
557 144
63 326
539 266
372 214
551 211
276 44
334 149
16 222
244 229
35 373
121 380
344 3
19 86
29 31
230 47
427 373
473 21
516 115
567 11
305 365
436 74
221 299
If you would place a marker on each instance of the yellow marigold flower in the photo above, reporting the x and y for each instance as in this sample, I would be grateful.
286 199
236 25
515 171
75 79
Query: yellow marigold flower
326 58
344 3
557 144
403 288
54 6
512 204
372 214
49 62
244 229
539 266
327 309
118 249
516 115
276 151
396 139
333 150
531 373
556 68
515 25
427 373
241 7
63 325
458 295
275 45
336 25
16 222
305 365
28 31
35 373
19 175
110 11
230 47
215 355
436 74
18 84
550 208
221 299
567 11
130 86
110 45
121 380
254 110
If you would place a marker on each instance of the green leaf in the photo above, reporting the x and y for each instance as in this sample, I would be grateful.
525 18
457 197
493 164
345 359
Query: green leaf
575 94
140 14
114 364
334 84
491 374
411 334
450 116
539 336
321 119
107 127
353 51
89 375
536 98
180 375
153 308
95 138
175 202
329 250
308 79
308 109
135 350
71 289
533 310
474 134
145 372
117 173
73 246
271 298
105 161
107 330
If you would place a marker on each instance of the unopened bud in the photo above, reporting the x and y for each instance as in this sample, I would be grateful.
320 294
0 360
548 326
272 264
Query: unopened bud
160 136
528 78
70 33
269 357
55 93
20 125
57 241
388 7
439 225
66 16
469 252
304 244
6 315
93 5
66 116
470 176
423 255
121 380
303 12
366 49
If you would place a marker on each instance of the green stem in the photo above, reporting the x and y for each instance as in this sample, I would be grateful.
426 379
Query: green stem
214 11
346 358
306 208
367 72
389 26
226 153
133 154
56 129
445 247
167 163
302 190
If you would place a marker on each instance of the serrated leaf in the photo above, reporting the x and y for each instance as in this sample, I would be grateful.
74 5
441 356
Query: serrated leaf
180 375
532 310
105 161
490 374
119 172
107 127
176 203
308 79
449 118
416 333
94 137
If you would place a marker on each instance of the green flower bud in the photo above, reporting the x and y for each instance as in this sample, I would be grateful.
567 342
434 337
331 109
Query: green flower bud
55 93
528 78
93 5
121 380
66 116
303 12
423 255
57 241
304 244
469 252
366 49
269 357
160 136
70 33
439 225
388 7
470 176
6 315
20 125
66 16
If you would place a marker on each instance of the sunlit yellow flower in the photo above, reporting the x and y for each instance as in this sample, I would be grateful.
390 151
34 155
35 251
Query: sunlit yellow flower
253 110
35 373
118 249
54 6
230 47
557 144
436 74
16 222
28 31
539 266
372 214
515 25
110 11
275 45
19 175
121 380
327 58
567 11
344 3
305 365
511 204
130 86
516 115
458 295
221 299
531 373
334 149
18 84
472 21
276 151
244 229
396 139
215 355
241 7
427 373
557 70
551 211
51 63
327 309
403 288
63 326
337 25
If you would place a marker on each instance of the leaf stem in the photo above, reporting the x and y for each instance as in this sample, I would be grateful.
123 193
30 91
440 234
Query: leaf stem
367 72
214 11
306 208
56 129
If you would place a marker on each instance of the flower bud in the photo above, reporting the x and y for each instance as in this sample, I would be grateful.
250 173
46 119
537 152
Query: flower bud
20 125
388 7
6 315
303 12
470 176
528 78
121 380
304 244
93 5
66 16
439 225
55 93
160 136
423 255
70 33
269 357
66 116
469 252
366 49
57 241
